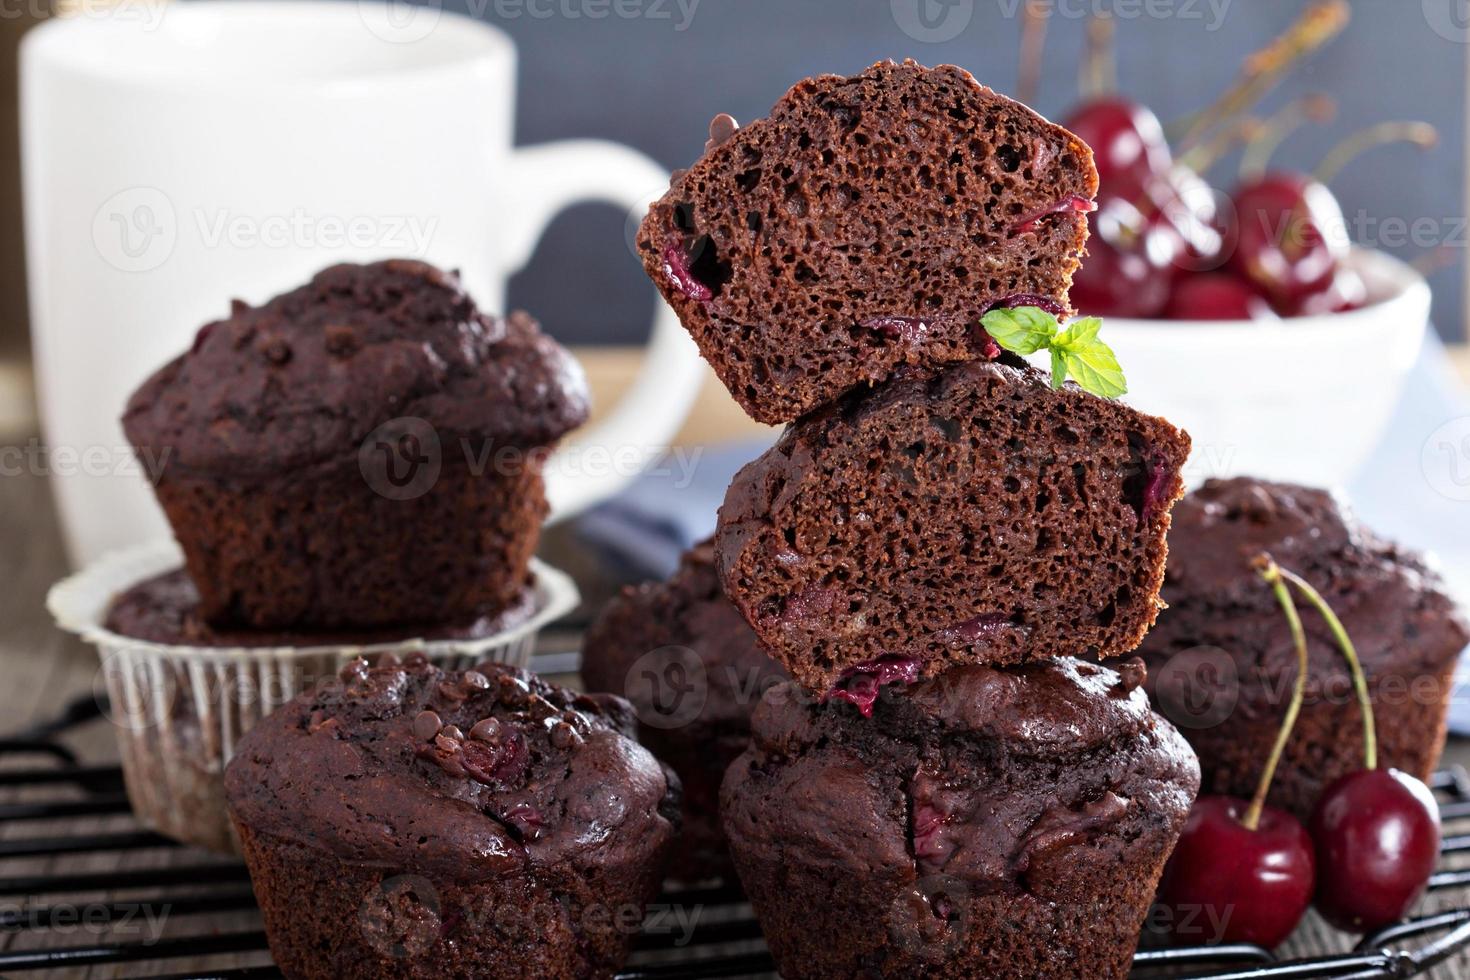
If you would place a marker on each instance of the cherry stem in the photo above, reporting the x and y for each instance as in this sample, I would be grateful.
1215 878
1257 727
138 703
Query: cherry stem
1272 575
1317 25
1099 67
1278 126
1033 42
1421 134
1205 155
1350 654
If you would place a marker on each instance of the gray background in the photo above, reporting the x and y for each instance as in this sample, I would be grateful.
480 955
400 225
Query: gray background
645 81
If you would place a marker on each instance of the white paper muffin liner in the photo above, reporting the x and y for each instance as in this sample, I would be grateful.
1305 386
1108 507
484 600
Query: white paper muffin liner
180 711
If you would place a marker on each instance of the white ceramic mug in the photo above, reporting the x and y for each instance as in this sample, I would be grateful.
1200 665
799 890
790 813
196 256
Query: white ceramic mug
176 157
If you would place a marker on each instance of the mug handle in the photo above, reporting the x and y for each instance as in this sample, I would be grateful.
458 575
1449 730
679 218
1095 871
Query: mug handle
595 463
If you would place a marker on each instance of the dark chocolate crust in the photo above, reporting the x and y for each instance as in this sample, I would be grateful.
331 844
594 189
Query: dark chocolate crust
1221 659
991 822
363 451
866 223
973 515
636 640
165 609
305 378
502 798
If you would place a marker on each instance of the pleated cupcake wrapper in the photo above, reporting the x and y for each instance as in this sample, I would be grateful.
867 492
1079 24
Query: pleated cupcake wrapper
180 711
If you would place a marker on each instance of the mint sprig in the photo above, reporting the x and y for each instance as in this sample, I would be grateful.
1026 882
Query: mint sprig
1075 352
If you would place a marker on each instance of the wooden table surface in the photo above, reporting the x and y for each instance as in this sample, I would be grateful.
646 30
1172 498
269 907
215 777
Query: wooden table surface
42 669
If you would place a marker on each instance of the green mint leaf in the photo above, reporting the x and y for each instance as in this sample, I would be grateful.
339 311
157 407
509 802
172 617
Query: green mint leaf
1079 332
1021 330
1058 367
1075 352
1094 366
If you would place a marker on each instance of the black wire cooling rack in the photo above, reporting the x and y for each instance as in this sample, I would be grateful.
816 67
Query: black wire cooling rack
92 873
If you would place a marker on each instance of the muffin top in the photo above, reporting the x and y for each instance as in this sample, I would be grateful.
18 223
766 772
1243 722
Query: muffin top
688 612
165 609
306 377
1391 602
981 773
485 772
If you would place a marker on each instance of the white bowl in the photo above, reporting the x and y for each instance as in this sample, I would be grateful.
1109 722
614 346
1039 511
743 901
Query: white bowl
1303 400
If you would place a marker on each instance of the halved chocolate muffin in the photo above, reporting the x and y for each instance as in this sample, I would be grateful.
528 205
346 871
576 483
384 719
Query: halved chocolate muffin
974 515
1222 662
407 822
694 672
867 223
991 822
365 450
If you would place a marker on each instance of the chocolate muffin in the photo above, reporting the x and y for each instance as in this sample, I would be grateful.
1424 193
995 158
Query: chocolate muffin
405 822
974 515
694 672
1222 662
365 450
868 222
165 609
991 822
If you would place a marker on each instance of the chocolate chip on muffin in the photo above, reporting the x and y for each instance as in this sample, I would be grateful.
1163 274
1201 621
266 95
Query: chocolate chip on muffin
971 515
694 672
1221 658
362 451
990 822
407 822
867 223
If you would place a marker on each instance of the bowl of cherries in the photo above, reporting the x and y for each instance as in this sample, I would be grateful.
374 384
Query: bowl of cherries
1236 310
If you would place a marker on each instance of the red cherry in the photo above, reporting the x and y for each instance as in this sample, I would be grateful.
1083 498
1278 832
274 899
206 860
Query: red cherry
1127 269
1292 237
1186 203
1128 144
1216 296
1377 836
1347 291
1228 883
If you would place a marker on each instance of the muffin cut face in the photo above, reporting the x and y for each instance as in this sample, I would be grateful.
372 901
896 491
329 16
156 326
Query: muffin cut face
867 223
975 515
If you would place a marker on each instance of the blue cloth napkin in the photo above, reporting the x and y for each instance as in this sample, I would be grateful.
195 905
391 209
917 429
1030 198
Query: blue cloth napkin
1415 489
